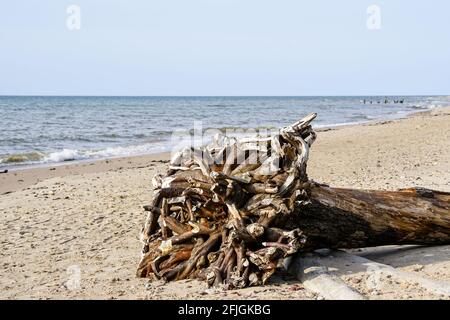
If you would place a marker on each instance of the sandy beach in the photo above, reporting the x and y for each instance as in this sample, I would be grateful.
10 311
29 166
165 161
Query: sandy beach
72 231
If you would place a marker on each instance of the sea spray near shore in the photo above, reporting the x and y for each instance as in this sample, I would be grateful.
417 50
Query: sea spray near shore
37 130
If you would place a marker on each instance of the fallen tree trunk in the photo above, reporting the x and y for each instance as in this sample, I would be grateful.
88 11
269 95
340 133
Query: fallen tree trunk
230 212
348 218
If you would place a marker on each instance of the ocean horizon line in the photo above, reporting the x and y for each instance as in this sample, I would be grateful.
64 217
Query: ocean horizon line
220 96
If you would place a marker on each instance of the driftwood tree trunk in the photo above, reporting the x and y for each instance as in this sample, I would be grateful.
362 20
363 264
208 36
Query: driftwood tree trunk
349 218
230 212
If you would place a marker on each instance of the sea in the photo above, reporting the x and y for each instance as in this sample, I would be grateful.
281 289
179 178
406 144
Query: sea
49 130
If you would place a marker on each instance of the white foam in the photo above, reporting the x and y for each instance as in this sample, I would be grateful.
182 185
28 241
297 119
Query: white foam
64 155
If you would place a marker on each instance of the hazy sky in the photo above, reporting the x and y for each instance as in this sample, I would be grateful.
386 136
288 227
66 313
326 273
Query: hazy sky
224 47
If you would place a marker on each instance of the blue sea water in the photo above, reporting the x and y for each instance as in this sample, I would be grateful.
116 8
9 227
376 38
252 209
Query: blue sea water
35 130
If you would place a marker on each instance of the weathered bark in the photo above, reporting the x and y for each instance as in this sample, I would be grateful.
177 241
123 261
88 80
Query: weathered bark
349 218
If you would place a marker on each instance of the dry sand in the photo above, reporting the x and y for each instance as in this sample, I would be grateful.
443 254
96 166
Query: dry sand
72 231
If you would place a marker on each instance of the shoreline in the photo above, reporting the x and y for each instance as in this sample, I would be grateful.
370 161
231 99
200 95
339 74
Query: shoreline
32 174
321 128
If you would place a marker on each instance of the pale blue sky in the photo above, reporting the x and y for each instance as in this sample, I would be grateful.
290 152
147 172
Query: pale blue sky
224 47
